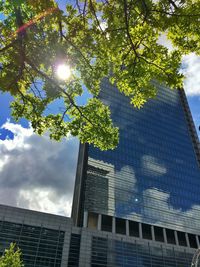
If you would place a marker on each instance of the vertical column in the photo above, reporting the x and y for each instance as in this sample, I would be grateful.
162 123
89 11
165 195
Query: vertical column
99 222
165 235
176 238
66 245
197 239
85 219
152 233
187 240
127 227
113 225
85 248
140 230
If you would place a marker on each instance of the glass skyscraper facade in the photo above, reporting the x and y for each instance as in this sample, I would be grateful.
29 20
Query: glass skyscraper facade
148 187
153 176
124 254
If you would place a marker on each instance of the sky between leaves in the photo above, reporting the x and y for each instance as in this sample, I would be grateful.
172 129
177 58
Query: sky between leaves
37 173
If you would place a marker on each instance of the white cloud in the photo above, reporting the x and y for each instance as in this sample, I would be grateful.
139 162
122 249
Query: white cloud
163 40
158 210
44 200
126 181
35 172
153 166
20 135
191 70
153 205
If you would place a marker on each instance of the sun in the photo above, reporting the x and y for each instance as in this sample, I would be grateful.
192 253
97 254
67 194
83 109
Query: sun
63 71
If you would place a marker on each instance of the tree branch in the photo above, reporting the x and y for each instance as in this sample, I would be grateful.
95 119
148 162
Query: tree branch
78 50
174 14
25 99
8 46
154 64
127 28
95 15
52 81
173 4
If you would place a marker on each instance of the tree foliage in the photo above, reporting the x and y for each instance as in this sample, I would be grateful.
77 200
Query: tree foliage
114 38
11 257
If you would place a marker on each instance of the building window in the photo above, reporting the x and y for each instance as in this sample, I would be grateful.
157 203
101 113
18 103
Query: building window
92 220
120 226
134 229
146 231
192 240
106 224
170 236
99 252
158 232
181 239
40 246
74 250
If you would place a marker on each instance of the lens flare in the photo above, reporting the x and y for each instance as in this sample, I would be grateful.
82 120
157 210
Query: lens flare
63 71
35 19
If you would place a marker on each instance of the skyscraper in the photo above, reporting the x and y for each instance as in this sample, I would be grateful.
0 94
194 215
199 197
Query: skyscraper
149 186
135 206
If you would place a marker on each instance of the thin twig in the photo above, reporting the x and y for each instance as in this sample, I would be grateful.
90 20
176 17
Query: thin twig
173 4
97 20
64 113
58 88
77 49
174 14
127 28
8 46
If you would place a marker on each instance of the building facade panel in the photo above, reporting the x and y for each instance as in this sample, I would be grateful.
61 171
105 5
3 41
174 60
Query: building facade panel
43 238
115 250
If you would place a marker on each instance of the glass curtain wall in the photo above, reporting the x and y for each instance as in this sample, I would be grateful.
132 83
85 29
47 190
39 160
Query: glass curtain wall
153 175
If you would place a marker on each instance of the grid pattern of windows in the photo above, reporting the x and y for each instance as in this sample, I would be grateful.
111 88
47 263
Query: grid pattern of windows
149 232
74 250
153 175
41 247
112 253
99 252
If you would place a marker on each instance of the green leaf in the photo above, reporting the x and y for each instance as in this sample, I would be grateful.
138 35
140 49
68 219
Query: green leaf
39 37
11 257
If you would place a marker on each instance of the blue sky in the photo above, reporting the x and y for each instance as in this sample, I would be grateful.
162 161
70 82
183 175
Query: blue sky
38 173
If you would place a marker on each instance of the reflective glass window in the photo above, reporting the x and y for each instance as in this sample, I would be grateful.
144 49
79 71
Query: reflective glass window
158 232
192 240
181 238
120 225
146 231
134 228
106 223
170 236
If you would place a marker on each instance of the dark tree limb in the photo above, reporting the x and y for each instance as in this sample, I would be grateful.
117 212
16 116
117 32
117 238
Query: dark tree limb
52 81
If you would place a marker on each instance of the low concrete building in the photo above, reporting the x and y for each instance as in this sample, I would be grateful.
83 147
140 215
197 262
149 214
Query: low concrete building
48 240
